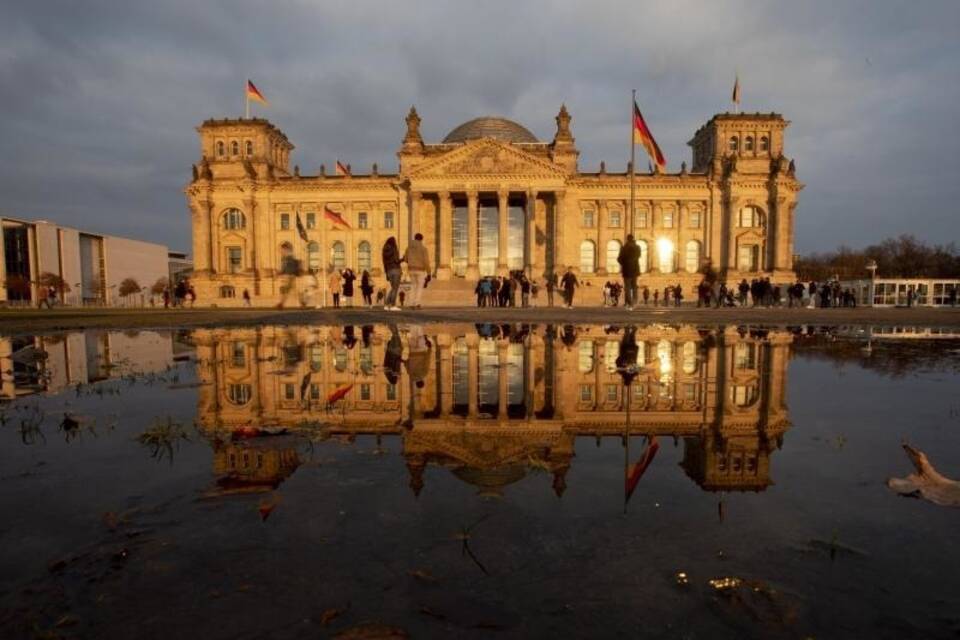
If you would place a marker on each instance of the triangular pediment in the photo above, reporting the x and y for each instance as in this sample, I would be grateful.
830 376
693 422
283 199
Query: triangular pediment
486 158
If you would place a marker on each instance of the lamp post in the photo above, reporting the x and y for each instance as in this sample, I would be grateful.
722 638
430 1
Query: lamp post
872 268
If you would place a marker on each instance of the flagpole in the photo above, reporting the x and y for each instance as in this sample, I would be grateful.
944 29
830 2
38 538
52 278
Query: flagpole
246 99
633 160
626 450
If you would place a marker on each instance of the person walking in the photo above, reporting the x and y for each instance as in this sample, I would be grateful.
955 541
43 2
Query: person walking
569 284
289 269
418 264
246 297
629 260
391 267
334 284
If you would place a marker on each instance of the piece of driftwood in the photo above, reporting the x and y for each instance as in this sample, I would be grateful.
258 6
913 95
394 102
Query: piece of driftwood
927 483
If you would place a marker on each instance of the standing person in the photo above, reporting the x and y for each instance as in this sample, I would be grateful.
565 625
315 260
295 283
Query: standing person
910 296
334 284
629 260
166 297
366 288
418 263
551 287
534 293
524 291
289 269
348 277
677 295
246 297
569 284
646 295
391 267
656 297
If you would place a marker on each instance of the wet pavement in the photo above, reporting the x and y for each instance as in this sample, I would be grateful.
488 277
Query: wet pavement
489 480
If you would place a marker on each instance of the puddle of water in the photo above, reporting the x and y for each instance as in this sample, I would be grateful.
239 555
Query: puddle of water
518 480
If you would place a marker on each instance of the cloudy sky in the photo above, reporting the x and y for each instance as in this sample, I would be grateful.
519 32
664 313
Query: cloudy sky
100 99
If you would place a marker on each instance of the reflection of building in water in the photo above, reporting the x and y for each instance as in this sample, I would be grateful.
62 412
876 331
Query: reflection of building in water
253 466
499 401
48 364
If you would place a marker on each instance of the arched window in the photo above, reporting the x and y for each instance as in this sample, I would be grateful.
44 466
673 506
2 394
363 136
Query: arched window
220 150
734 143
234 219
693 256
764 143
364 260
238 394
588 256
313 256
751 217
249 147
748 143
339 256
665 255
585 356
689 357
611 351
235 148
613 252
644 256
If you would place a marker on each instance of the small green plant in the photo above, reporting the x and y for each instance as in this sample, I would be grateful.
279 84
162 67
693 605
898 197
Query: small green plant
163 438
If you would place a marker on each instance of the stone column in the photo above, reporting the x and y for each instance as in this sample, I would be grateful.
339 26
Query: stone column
473 367
559 220
530 237
445 375
201 236
602 235
503 229
502 378
214 229
732 212
473 267
250 206
445 231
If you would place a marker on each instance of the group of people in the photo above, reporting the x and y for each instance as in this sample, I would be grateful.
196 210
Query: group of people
493 291
182 293
342 287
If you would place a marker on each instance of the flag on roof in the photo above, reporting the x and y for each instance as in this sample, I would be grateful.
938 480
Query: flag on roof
642 135
342 170
254 94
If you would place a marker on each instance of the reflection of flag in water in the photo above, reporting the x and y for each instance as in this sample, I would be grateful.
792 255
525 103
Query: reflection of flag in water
339 393
636 470
335 217
304 385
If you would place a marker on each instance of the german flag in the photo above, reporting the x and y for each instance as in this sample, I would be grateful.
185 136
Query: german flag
342 170
635 471
335 217
254 94
642 135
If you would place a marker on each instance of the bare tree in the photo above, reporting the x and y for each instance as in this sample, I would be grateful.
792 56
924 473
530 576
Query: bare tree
128 287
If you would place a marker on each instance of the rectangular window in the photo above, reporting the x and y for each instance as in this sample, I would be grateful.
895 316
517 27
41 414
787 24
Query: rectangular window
234 259
239 355
365 391
640 392
667 220
290 391
641 221
586 393
614 218
311 220
285 221
748 257
362 220
611 393
388 219
391 391
694 220
689 392
588 218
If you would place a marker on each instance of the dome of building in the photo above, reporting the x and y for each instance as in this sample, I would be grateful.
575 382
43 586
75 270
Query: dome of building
491 127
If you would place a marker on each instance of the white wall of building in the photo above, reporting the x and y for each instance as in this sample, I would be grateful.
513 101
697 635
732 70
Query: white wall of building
145 262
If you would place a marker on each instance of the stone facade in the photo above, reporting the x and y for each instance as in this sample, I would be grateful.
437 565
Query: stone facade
491 198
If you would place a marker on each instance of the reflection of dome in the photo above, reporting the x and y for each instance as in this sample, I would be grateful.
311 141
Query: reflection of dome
491 481
491 127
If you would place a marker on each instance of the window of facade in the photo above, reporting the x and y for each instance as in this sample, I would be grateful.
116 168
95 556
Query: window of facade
391 391
249 147
644 256
365 391
285 221
314 391
613 252
587 218
235 148
586 393
585 356
227 291
315 353
751 217
748 143
364 257
588 255
339 255
641 221
311 220
640 392
748 257
734 143
689 357
693 256
340 359
764 143
362 220
611 351
667 221
366 360
233 219
614 216
612 392
238 394
388 219
745 356
221 151
743 395
238 354
313 256
289 391
665 255
234 259
693 220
